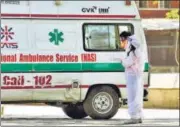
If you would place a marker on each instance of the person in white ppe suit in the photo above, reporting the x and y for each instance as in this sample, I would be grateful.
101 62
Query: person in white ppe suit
133 64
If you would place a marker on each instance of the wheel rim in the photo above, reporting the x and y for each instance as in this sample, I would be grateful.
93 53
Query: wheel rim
102 102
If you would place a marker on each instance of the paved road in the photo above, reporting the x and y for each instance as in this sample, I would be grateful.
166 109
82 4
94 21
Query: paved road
83 122
24 115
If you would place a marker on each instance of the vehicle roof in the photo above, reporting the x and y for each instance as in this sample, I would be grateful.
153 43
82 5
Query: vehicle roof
70 9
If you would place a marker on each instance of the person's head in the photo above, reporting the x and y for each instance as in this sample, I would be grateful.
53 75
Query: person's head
124 35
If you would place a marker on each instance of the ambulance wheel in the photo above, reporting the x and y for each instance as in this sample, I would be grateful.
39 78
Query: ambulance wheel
101 103
75 111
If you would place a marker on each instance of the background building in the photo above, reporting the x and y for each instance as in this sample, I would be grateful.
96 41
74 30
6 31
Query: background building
161 33
156 9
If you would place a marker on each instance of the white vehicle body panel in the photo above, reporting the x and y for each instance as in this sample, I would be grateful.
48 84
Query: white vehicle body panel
32 28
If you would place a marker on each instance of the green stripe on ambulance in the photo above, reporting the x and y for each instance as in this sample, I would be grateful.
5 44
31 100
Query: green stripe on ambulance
63 67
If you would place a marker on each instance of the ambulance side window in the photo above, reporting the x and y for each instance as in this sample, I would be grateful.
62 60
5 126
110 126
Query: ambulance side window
104 37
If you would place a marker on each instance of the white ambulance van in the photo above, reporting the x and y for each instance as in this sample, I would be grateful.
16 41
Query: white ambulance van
60 53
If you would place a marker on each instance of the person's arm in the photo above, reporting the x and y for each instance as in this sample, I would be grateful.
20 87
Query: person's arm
128 62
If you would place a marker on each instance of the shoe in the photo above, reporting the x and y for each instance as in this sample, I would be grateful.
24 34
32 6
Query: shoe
133 121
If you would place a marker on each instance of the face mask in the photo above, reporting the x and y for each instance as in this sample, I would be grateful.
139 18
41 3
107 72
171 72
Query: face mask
128 47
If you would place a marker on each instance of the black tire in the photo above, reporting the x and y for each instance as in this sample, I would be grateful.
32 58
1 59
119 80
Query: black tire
75 111
91 107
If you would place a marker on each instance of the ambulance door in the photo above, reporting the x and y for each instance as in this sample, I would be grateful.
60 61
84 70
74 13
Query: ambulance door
58 66
101 44
16 70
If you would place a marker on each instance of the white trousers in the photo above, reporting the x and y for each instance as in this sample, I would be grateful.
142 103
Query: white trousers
135 96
